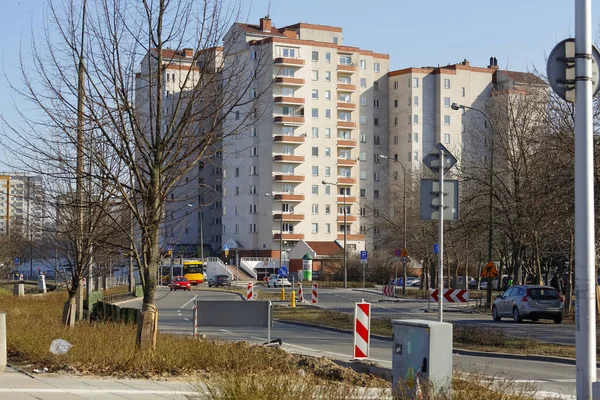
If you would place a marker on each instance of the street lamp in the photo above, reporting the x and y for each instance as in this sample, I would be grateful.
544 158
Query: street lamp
456 106
200 233
280 231
345 231
404 222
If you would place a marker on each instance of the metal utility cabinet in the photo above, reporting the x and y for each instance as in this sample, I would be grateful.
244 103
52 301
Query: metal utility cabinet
422 357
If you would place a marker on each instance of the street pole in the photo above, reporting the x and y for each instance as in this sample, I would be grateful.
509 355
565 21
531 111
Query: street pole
364 273
345 232
404 223
441 241
281 239
585 318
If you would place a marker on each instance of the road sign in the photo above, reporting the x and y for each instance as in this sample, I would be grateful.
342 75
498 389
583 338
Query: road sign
225 248
561 69
404 253
436 248
282 271
397 255
489 271
452 295
430 199
404 260
364 255
17 261
432 160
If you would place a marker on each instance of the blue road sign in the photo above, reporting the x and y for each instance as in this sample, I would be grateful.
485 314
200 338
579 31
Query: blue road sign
364 255
17 261
282 271
225 248
170 248
436 248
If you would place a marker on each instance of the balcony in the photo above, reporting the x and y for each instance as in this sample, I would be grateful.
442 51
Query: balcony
288 236
346 143
345 87
288 158
346 181
288 100
293 62
346 161
289 197
340 199
288 217
289 139
346 124
350 236
288 120
349 218
346 106
284 80
346 68
288 178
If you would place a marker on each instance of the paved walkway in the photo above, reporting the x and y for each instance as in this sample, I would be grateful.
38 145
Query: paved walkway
15 385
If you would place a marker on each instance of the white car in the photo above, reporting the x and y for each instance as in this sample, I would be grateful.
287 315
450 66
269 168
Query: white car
278 280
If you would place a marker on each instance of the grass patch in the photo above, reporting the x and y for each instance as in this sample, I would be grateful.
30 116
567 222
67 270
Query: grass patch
467 337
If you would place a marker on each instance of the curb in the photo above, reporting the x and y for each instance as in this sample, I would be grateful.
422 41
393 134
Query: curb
458 351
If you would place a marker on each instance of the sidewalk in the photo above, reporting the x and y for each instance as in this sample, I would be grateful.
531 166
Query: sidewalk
15 385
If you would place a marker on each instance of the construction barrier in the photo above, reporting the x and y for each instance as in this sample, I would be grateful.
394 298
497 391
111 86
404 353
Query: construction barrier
195 311
388 291
452 295
300 293
362 330
315 293
250 292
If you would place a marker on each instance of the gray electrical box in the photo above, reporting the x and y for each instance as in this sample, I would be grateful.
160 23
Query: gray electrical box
422 357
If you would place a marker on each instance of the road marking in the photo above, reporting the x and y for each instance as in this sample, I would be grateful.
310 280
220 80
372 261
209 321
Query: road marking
226 331
99 391
187 319
188 302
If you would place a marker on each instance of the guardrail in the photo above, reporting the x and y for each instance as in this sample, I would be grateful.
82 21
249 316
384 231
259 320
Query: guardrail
115 298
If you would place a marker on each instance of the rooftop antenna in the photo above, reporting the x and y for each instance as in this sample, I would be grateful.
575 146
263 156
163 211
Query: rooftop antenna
269 9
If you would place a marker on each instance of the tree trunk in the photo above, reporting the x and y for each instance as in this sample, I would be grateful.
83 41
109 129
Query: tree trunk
69 311
537 259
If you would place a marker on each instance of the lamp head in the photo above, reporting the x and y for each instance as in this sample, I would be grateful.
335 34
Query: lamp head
383 156
456 106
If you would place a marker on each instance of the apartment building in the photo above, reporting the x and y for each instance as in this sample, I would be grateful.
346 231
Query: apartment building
320 115
21 205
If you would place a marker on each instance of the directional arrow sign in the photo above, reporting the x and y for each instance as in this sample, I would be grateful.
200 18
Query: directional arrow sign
432 160
452 295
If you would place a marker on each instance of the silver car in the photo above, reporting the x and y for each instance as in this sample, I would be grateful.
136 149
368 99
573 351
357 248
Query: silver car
532 302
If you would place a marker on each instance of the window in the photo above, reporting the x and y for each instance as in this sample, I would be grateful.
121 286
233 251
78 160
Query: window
253 170
410 119
327 133
327 228
287 52
315 56
415 119
395 121
327 152
328 76
252 208
327 57
315 75
237 171
328 190
253 131
376 103
315 132
237 190
363 138
315 228
345 60
446 120
327 209
363 64
315 209
375 176
315 170
446 101
327 171
446 83
344 135
409 138
363 119
396 103
446 138
237 115
363 82
252 228
376 158
287 72
315 152
252 189
376 139
416 137
416 156
286 110
376 194
416 100
253 151
376 67
415 82
363 175
237 228
327 113
315 113
345 116
287 208
253 55
335 40
375 85
396 139
376 121
363 101
395 85
362 156
328 95
344 191
464 92
315 189
315 94
363 192
252 93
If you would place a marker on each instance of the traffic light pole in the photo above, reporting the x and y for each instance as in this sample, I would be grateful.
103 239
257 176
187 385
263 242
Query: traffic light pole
441 242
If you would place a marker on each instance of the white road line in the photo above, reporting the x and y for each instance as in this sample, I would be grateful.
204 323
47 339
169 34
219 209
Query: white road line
226 331
188 302
98 391
187 319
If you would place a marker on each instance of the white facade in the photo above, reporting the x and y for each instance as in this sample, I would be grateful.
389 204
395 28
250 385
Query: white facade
21 205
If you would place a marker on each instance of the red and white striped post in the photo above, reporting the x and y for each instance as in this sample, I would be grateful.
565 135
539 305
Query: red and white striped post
250 292
315 293
362 330
300 293
195 319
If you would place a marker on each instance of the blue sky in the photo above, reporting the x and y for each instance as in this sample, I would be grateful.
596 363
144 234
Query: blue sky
519 33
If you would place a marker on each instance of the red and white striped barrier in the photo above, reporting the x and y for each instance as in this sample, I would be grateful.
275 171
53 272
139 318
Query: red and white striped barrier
195 310
362 330
452 295
250 292
388 291
300 292
315 293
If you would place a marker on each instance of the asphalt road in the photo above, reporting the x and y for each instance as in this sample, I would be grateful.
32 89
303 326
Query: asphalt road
175 315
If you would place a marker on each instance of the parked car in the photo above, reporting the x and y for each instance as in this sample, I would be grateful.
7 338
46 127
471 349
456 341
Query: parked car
179 282
219 280
409 281
278 280
415 283
532 302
